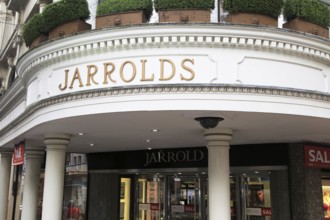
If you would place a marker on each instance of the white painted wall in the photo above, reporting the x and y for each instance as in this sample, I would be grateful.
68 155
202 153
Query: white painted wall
249 57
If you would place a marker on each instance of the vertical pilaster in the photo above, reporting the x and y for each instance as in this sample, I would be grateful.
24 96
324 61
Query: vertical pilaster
33 159
5 169
56 145
279 192
218 171
305 187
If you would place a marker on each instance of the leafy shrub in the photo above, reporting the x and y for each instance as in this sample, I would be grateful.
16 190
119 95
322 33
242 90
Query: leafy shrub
34 28
183 4
65 11
310 10
106 7
272 8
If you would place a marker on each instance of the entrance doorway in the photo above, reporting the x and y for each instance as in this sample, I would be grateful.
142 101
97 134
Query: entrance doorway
183 196
165 196
150 197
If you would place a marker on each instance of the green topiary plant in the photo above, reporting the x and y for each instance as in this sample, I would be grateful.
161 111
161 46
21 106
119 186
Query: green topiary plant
272 8
107 7
313 11
34 28
183 4
65 11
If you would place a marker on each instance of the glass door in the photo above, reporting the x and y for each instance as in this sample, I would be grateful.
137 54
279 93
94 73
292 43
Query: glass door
150 196
184 197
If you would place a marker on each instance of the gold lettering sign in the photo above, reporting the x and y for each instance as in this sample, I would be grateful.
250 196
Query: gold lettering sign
128 71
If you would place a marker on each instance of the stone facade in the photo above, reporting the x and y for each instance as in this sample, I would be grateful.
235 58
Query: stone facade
305 187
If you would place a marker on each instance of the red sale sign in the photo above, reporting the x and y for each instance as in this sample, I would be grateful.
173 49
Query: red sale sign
318 157
154 206
266 211
18 155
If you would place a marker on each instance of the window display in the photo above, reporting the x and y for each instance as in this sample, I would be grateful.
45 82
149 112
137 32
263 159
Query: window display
257 193
326 198
75 188
150 198
125 198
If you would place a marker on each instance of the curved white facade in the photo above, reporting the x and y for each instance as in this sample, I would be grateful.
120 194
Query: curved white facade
269 85
118 85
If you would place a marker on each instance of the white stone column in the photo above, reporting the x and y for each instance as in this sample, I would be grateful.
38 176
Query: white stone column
218 171
33 159
42 7
5 169
56 145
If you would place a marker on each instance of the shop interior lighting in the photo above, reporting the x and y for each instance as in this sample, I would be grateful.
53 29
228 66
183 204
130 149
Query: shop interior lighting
81 134
148 140
154 130
91 144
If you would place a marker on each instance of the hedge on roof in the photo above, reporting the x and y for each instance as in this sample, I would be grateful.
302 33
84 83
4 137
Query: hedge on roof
313 11
65 11
34 28
106 7
183 4
272 8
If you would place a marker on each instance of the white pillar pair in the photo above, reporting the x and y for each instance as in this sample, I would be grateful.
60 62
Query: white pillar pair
219 173
56 145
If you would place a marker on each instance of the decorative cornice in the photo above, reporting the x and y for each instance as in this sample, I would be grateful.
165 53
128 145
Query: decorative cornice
176 35
158 89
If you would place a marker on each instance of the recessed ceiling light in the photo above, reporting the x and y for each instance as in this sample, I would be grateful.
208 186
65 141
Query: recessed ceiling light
92 145
81 134
148 140
155 130
149 148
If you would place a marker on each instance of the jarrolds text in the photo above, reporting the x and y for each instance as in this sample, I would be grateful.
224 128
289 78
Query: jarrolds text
126 72
174 157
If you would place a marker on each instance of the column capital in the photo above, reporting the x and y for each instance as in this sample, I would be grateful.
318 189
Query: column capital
56 141
34 151
6 152
218 136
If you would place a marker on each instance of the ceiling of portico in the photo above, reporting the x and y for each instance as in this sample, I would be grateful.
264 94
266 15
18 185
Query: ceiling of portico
129 131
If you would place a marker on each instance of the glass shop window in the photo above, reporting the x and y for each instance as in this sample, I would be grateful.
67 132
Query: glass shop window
75 189
257 195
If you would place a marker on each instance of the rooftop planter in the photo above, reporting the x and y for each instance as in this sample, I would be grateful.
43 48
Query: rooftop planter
310 16
256 12
123 12
34 31
184 10
66 17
